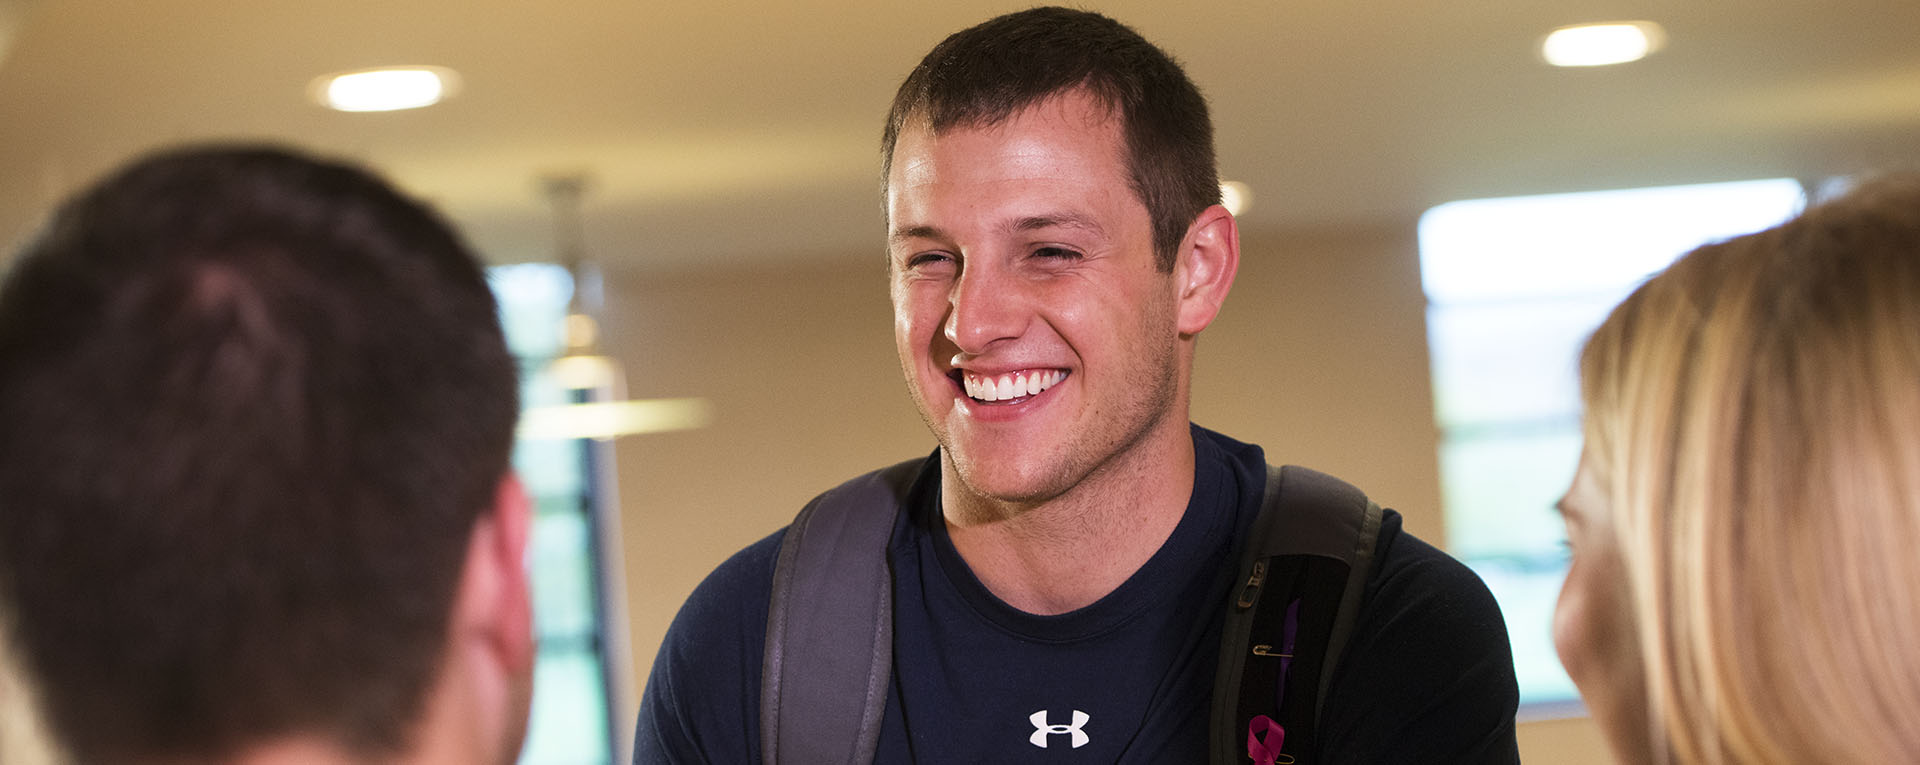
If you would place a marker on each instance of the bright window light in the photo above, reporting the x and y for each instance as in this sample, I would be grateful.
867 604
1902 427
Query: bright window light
580 676
1564 244
1602 44
385 90
1514 286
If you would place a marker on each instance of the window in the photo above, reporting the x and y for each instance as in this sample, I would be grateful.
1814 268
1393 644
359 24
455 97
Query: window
1513 287
574 677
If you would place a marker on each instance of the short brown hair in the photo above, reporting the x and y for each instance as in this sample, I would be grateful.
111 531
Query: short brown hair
983 75
254 404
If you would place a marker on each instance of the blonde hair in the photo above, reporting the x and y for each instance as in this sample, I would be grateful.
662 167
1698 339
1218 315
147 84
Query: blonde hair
24 738
1754 416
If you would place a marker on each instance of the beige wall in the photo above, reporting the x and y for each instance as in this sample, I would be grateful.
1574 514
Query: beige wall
1320 356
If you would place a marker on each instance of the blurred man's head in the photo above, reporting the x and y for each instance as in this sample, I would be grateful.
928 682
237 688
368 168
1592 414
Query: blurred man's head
258 413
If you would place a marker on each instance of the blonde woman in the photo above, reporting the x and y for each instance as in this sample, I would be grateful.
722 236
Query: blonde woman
1745 523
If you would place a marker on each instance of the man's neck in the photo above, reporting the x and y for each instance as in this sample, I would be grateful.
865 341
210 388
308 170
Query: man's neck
297 749
1069 551
322 750
467 720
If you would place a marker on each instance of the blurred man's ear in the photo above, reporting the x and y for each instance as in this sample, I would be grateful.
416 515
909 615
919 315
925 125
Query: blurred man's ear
512 521
1203 271
493 621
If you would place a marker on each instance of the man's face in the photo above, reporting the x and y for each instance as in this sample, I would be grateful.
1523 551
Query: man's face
1037 337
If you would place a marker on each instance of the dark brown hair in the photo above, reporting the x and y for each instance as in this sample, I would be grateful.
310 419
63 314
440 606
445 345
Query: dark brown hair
983 75
253 405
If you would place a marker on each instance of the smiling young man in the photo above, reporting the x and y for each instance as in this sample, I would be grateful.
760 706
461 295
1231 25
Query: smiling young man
1059 569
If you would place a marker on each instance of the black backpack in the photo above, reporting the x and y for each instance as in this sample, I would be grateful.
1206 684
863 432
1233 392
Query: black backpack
829 650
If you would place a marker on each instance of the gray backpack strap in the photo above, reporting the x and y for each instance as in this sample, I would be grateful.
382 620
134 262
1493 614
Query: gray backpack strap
1324 515
1305 515
829 651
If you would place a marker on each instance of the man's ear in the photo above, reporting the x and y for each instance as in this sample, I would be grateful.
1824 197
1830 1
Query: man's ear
495 603
1203 271
479 712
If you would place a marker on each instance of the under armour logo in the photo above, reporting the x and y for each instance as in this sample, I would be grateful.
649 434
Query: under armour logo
1041 730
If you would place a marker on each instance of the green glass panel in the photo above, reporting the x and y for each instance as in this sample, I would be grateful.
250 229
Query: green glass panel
550 468
570 715
1499 491
1512 361
1527 595
563 592
533 305
569 725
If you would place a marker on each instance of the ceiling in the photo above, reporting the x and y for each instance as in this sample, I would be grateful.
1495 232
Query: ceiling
720 131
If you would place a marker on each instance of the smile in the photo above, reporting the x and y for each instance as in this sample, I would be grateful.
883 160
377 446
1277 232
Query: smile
1015 385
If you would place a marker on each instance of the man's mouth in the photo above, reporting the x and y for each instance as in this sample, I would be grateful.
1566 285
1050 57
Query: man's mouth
1010 387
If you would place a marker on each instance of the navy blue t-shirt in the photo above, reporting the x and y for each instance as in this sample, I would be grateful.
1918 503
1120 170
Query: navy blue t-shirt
1427 676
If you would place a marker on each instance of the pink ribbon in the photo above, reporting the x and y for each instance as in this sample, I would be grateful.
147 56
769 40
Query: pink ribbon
1265 751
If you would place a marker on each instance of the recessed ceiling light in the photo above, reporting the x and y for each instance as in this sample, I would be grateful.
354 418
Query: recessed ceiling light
1613 42
1235 196
385 89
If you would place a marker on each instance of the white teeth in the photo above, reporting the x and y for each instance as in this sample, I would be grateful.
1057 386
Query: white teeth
1011 386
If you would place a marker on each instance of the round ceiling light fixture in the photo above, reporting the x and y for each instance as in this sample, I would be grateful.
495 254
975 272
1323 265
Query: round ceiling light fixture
1601 44
385 89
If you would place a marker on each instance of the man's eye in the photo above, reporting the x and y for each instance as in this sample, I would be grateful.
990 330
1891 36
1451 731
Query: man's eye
925 259
1055 252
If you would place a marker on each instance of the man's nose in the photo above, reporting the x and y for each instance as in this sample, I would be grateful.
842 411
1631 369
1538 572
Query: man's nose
985 306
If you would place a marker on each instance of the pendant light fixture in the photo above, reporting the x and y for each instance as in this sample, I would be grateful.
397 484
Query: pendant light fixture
593 380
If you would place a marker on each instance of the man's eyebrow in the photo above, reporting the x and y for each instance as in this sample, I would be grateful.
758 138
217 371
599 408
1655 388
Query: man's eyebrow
1029 223
1058 220
915 232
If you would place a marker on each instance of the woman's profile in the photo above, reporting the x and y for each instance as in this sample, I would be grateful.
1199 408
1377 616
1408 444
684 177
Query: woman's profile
1745 523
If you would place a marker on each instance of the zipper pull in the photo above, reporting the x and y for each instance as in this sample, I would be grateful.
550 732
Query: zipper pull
1251 592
